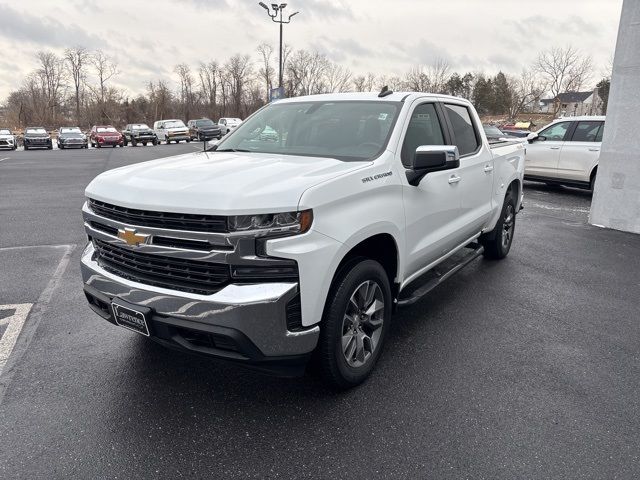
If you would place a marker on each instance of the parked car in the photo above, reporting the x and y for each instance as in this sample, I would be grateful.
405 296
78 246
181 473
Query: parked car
136 133
69 137
566 152
228 125
494 134
105 136
204 129
7 139
36 137
306 244
171 131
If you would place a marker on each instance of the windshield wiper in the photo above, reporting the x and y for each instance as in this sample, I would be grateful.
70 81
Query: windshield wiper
232 150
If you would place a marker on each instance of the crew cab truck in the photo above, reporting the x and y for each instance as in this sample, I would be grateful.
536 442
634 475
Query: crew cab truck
268 249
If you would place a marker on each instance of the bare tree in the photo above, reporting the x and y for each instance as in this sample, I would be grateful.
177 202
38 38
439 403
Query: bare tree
239 73
187 98
338 78
106 69
266 71
563 70
51 75
76 61
525 90
208 73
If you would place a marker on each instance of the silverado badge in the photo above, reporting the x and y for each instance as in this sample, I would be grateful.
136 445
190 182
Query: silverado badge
131 237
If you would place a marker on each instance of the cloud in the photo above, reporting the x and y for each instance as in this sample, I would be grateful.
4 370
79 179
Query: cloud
47 31
326 9
340 49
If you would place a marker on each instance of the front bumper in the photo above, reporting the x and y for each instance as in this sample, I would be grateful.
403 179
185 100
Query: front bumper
179 136
241 323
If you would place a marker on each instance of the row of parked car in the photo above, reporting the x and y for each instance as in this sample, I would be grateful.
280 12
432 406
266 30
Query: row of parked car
173 130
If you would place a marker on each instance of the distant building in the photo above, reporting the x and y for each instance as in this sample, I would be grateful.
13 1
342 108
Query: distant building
573 104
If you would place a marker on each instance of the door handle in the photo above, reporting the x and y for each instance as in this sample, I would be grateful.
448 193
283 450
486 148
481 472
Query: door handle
488 168
594 149
454 179
554 148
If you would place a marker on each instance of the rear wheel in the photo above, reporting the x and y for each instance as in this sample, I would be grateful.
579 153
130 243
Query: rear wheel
355 323
497 242
592 182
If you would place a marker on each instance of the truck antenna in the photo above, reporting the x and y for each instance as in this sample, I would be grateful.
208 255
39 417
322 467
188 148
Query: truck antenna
385 92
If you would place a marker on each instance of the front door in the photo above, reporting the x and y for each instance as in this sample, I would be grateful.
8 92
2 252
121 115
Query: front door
543 153
432 208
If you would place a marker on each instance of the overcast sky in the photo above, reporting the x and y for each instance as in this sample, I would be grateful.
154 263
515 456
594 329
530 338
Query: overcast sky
149 37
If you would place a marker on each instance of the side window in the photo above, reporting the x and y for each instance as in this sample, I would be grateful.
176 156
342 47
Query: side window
600 132
586 132
463 130
555 132
424 129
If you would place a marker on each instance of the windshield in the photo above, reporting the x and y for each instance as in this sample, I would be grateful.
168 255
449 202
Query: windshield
346 130
106 129
139 126
4 132
494 131
204 123
70 130
35 130
174 124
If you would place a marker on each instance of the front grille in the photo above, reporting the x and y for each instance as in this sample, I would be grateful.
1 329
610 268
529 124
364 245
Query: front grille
165 220
160 271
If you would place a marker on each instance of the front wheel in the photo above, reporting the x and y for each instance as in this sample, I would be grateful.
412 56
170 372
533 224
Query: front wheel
497 242
355 323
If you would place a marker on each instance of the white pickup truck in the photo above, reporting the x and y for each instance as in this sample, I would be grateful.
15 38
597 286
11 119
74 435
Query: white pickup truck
273 247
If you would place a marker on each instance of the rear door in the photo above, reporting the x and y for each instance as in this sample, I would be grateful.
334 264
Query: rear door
543 153
432 208
476 168
579 154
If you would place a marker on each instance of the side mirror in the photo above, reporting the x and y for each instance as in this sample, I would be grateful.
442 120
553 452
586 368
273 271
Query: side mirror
432 158
533 136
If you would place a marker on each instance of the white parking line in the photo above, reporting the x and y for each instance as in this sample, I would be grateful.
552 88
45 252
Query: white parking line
3 159
37 311
14 325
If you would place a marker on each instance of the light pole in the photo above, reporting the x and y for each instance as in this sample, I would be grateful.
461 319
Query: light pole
276 16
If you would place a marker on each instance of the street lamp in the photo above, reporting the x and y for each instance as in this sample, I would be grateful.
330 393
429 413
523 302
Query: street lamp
276 16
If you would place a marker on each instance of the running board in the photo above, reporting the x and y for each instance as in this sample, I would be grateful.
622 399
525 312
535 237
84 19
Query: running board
439 277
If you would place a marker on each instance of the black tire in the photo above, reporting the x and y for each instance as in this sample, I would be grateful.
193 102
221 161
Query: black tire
497 242
144 144
26 148
125 142
134 142
592 182
332 360
188 140
168 141
155 142
50 147
61 147
98 145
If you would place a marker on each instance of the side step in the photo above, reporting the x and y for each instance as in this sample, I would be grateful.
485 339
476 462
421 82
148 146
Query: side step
441 273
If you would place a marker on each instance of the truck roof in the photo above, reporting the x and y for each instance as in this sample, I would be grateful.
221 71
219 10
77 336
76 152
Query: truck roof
393 97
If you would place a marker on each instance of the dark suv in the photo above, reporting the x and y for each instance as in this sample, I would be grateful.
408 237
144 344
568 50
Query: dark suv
204 129
36 137
136 133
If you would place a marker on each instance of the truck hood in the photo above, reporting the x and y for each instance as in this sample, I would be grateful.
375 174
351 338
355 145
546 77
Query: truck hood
217 183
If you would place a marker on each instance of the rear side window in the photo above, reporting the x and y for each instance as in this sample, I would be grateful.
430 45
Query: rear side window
600 133
424 129
464 133
586 132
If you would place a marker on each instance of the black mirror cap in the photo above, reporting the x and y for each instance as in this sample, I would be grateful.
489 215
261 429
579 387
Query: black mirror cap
432 158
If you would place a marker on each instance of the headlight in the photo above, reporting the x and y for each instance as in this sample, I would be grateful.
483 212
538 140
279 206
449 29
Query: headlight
273 224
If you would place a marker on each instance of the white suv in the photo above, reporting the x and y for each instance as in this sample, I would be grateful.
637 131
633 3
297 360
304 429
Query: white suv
566 151
228 125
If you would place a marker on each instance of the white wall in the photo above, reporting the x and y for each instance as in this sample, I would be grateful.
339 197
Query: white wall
616 200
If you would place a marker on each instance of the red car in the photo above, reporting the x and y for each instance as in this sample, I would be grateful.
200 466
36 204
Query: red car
104 136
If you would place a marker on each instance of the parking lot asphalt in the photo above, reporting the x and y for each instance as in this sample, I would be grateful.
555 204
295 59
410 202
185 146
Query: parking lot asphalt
524 368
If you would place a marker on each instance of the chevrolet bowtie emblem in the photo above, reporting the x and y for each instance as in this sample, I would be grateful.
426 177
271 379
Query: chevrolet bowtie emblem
132 238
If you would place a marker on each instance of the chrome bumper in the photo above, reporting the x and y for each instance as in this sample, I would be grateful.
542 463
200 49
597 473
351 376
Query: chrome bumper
256 311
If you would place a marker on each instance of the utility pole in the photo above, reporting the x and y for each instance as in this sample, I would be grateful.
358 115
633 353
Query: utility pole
276 16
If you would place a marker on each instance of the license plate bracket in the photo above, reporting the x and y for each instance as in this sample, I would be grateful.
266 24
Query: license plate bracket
130 316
